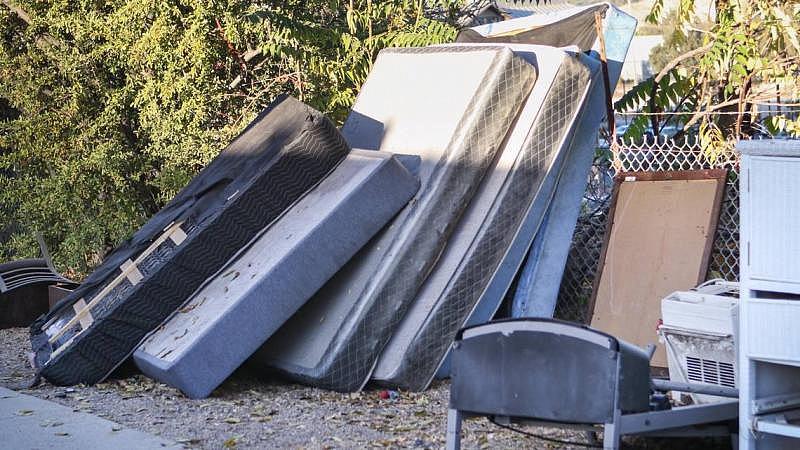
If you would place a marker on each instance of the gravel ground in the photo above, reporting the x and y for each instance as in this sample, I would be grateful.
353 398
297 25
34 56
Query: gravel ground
251 412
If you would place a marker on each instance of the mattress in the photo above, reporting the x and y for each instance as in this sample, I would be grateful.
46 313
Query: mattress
562 28
537 290
225 321
489 243
538 282
285 152
452 107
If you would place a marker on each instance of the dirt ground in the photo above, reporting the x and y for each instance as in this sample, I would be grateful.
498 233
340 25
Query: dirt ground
252 412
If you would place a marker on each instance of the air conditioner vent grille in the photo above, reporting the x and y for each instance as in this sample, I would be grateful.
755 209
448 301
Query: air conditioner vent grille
709 371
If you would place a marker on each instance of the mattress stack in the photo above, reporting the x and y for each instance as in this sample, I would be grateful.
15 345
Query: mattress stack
452 107
335 267
283 154
539 278
392 313
489 243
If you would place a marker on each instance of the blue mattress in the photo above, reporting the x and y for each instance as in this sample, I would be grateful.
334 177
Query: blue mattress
233 313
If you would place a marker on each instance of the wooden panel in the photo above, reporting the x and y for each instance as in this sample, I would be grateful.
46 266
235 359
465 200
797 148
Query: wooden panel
659 241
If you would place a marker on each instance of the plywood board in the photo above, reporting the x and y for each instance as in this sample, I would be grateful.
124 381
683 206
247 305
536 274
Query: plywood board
658 242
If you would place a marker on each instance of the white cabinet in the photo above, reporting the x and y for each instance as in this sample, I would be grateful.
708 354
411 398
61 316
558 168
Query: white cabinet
769 339
772 246
774 330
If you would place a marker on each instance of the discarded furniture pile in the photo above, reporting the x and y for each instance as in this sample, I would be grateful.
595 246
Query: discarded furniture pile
377 253
337 257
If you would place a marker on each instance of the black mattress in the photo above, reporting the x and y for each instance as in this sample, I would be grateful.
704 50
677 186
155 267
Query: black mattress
287 150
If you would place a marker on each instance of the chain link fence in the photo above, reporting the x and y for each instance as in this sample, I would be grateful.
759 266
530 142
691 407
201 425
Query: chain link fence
587 242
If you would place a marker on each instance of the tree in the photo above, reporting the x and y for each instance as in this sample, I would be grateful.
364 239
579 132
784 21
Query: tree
748 57
676 43
109 108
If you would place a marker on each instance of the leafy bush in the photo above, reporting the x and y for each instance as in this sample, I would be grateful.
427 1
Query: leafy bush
108 108
714 77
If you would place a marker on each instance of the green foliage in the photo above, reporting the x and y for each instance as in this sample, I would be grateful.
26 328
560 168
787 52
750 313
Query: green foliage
108 108
676 43
750 55
670 99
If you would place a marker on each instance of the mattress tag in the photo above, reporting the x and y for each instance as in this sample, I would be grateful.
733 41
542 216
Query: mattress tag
131 272
178 236
630 178
86 320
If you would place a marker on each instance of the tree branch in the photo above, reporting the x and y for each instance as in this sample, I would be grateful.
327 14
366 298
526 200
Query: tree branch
679 59
654 120
25 17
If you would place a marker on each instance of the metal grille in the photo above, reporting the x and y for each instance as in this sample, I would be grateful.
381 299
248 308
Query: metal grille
581 267
709 371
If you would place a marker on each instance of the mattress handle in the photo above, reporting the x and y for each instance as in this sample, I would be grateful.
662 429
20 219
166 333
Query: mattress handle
173 232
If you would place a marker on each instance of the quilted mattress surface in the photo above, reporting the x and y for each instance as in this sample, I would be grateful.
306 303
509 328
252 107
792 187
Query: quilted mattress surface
488 245
285 152
452 107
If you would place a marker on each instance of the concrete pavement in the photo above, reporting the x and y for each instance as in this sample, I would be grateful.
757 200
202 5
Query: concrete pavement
28 422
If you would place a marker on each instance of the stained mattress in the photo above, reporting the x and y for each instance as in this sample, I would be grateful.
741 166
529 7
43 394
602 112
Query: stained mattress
489 243
285 152
452 107
233 314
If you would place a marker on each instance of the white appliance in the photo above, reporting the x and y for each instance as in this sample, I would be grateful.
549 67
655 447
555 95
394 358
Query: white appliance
698 330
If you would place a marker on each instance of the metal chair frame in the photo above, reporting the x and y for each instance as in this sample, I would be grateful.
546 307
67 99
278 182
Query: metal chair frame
38 271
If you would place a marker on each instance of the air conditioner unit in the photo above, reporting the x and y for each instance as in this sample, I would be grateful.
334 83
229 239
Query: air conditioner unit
698 330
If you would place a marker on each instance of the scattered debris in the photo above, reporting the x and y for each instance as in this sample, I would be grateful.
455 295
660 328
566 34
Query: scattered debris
388 395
